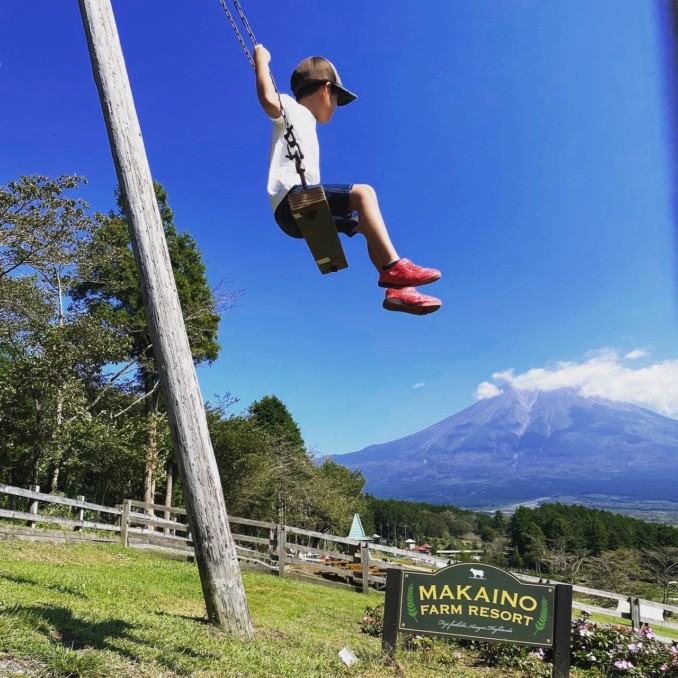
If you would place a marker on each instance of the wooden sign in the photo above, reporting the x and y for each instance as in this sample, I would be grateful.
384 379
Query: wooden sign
478 602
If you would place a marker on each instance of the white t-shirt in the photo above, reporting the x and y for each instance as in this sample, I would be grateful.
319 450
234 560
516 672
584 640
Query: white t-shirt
282 173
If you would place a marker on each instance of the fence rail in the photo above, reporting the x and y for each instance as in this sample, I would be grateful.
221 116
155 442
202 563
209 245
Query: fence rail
279 549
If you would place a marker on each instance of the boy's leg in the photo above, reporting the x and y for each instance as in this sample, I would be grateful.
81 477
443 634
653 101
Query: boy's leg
363 199
393 271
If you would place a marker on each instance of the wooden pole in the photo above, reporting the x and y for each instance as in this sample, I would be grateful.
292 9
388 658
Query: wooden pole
562 630
33 505
281 533
124 522
365 559
214 547
79 513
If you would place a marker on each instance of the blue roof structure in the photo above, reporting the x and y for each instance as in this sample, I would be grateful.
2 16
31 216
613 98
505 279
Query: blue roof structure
357 530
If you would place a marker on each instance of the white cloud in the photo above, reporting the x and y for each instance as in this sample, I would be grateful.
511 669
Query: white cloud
486 390
654 386
637 353
419 384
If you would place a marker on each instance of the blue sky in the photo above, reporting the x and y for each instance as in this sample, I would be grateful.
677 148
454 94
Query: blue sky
523 148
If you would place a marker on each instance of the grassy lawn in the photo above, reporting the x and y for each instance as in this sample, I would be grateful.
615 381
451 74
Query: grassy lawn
96 611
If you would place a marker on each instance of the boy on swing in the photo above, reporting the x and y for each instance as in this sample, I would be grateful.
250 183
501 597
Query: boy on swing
318 91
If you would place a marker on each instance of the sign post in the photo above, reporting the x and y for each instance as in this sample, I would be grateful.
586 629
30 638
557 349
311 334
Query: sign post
479 602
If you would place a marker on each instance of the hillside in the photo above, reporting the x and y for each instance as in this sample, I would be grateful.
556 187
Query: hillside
523 447
104 612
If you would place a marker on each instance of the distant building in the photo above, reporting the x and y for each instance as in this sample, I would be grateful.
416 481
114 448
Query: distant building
410 544
424 548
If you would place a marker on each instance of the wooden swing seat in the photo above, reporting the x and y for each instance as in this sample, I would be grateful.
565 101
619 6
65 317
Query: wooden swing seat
312 214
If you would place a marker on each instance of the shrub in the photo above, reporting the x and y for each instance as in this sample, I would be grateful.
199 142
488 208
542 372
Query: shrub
372 622
530 661
621 651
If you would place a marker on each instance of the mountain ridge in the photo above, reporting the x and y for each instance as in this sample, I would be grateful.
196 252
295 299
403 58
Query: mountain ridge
520 446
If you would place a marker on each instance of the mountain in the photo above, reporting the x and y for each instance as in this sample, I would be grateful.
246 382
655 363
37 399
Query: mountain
531 446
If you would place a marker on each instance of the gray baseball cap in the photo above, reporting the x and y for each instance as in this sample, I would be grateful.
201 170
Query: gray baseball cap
319 69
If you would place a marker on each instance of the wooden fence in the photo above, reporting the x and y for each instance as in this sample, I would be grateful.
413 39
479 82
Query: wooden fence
280 549
266 546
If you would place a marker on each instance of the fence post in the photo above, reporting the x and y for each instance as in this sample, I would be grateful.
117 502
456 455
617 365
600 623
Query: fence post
635 613
271 542
33 505
79 514
281 535
124 522
365 560
168 516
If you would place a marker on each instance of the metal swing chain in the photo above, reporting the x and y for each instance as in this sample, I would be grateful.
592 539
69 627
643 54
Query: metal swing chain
290 139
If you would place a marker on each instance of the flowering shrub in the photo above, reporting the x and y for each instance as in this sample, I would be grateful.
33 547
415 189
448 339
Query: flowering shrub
372 622
610 651
607 650
417 642
530 661
620 651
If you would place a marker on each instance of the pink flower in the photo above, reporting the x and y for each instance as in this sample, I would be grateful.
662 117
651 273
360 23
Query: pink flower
623 664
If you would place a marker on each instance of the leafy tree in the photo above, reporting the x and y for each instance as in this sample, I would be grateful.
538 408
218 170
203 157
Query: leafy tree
613 570
527 537
596 535
51 352
240 450
110 290
662 565
561 562
39 223
337 495
271 415
499 522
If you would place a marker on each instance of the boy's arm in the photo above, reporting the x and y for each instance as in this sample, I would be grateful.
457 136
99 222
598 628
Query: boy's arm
265 90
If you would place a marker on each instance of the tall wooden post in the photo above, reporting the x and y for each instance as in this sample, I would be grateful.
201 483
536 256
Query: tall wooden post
214 547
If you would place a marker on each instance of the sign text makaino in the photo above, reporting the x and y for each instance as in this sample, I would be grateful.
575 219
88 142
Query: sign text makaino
480 602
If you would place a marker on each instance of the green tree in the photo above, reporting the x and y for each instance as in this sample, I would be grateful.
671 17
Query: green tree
110 290
240 448
662 564
527 537
271 415
596 535
52 352
613 570
337 493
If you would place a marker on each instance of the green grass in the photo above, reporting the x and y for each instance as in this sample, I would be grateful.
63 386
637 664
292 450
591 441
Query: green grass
94 611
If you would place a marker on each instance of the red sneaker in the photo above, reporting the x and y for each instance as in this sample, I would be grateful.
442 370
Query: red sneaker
406 274
408 300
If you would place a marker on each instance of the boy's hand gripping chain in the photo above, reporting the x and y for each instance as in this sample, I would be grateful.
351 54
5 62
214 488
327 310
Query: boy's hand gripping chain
293 148
309 207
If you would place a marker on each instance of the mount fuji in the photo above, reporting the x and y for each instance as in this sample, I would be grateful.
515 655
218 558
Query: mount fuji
523 447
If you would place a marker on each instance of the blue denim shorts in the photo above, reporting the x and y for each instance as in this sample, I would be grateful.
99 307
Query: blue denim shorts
337 197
